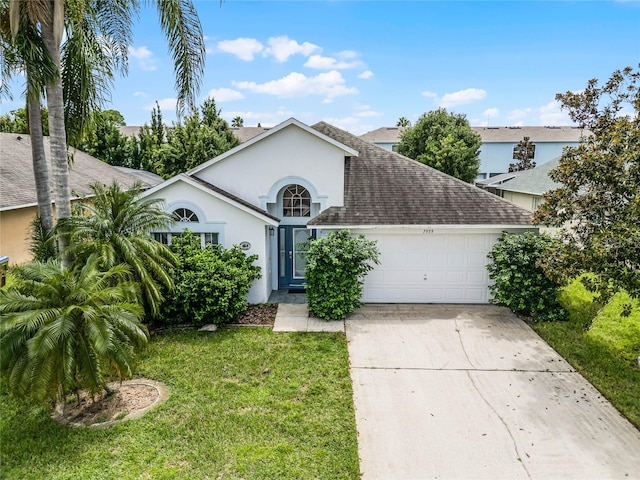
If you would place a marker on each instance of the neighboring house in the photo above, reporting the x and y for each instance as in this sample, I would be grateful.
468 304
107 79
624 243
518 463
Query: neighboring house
272 193
499 144
527 189
490 184
18 201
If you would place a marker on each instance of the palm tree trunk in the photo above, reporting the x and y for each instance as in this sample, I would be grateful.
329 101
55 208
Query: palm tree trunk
40 169
57 135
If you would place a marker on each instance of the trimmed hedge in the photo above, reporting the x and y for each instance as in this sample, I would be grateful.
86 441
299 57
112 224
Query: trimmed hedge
211 283
336 266
519 282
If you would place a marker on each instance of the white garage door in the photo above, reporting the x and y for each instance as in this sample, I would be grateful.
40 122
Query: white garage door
430 268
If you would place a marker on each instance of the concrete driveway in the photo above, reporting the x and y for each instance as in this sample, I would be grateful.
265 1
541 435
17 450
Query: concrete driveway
467 391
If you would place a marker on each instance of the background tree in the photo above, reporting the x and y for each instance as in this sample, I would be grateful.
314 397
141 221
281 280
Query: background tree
115 226
523 153
64 329
237 122
403 122
444 141
597 205
103 139
112 21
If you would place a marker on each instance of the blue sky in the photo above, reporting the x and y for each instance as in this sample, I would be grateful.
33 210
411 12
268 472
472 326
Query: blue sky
361 65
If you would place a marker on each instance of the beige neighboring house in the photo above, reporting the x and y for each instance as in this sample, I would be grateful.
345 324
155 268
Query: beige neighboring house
18 200
527 189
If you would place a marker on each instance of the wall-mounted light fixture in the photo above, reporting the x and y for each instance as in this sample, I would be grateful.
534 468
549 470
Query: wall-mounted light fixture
272 231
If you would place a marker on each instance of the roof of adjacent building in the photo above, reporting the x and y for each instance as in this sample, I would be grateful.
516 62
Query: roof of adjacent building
16 172
247 133
535 181
386 188
498 179
493 134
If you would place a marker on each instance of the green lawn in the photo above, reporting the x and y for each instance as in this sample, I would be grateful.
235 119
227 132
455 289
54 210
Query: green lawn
244 403
615 376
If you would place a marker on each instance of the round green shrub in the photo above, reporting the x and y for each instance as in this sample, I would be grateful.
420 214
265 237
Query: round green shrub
211 283
518 280
336 266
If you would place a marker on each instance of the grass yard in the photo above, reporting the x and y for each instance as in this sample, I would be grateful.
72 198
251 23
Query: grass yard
244 403
606 354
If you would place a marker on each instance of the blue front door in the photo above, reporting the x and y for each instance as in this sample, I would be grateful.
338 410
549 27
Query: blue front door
293 241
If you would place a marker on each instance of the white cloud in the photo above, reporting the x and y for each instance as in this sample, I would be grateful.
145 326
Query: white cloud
462 97
551 114
367 74
144 56
330 85
166 104
265 119
429 94
350 124
282 48
225 94
519 113
140 94
364 111
328 63
243 48
491 112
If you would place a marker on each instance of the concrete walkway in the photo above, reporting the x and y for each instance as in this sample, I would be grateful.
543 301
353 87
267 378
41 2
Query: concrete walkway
294 317
471 392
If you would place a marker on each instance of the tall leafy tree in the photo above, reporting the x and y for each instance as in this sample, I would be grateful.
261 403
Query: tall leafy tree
523 153
115 226
64 329
444 141
597 206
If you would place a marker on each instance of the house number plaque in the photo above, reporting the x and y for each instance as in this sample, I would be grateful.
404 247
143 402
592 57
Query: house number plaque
244 245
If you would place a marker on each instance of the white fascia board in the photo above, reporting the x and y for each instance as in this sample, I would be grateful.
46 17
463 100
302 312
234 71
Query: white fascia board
291 121
186 179
423 227
35 204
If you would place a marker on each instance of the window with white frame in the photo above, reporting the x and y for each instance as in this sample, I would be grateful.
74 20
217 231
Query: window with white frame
205 237
296 202
184 215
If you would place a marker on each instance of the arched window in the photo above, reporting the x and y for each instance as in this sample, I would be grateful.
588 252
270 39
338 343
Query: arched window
184 215
296 202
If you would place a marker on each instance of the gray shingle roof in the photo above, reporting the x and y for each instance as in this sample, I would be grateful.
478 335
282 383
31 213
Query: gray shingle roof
385 188
233 197
493 134
535 181
17 187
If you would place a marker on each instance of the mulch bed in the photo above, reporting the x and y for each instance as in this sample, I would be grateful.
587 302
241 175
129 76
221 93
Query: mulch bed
263 314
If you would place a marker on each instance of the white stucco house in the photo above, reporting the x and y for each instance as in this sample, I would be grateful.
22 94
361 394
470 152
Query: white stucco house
293 182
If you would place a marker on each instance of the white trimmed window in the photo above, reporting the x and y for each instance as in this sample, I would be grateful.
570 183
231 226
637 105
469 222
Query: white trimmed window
205 238
296 201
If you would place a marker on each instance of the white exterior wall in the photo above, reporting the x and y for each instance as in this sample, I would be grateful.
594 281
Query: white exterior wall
290 153
236 226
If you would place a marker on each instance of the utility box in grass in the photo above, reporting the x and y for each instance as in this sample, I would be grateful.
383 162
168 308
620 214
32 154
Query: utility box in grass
4 263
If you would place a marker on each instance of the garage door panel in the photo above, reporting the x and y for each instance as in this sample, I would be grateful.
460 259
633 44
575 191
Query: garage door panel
447 268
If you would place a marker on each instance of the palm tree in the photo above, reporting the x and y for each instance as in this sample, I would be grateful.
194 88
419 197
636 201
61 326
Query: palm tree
403 122
65 329
113 20
237 122
115 225
26 52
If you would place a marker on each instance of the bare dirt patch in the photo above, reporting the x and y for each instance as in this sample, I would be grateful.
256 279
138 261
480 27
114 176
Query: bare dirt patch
130 399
